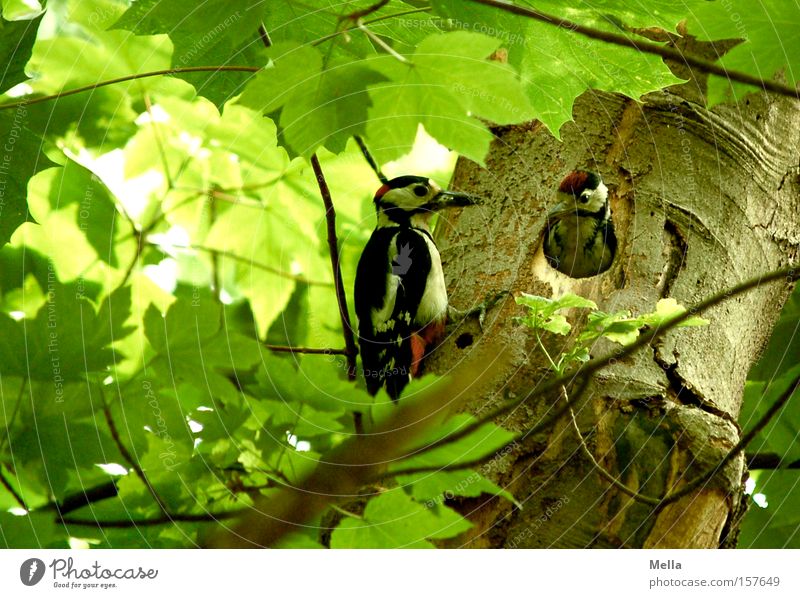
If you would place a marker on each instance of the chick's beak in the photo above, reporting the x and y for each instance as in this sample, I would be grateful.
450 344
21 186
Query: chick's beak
446 199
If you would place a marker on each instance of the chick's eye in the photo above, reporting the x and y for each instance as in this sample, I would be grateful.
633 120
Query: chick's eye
420 190
584 197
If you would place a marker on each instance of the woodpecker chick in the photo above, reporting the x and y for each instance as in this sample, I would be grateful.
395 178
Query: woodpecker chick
579 239
400 294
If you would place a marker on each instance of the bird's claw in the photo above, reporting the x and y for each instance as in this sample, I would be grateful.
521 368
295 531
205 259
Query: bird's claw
479 310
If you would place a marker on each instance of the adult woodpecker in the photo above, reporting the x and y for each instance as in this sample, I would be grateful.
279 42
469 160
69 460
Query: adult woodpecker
579 239
400 294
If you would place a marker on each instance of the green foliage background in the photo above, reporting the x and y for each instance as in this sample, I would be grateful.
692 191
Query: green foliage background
158 232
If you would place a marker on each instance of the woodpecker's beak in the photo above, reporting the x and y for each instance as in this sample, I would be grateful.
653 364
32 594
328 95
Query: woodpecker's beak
447 199
562 208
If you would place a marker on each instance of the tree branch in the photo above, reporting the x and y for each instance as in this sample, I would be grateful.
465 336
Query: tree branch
370 159
162 520
127 455
245 260
649 500
171 71
333 246
306 350
12 491
644 46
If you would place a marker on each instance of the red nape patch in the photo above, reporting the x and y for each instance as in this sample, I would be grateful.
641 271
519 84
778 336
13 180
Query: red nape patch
573 182
381 192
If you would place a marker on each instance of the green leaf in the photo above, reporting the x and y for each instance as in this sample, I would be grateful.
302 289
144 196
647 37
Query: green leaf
447 86
486 441
328 109
190 340
668 309
291 67
780 434
286 21
557 65
34 530
16 43
395 520
22 158
321 105
79 195
543 311
618 327
783 350
66 340
440 485
771 33
221 32
777 525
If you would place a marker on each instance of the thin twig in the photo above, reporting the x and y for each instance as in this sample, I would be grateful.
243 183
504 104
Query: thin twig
345 30
306 350
159 142
12 491
245 260
382 44
216 280
127 455
162 520
345 512
769 461
646 47
264 35
602 470
370 159
10 421
333 246
360 14
90 87
83 498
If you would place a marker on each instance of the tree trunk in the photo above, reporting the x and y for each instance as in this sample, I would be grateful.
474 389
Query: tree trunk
701 199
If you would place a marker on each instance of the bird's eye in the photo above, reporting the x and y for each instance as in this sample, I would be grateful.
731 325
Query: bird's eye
585 196
420 190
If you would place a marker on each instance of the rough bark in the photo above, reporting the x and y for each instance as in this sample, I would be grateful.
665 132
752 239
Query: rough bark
701 199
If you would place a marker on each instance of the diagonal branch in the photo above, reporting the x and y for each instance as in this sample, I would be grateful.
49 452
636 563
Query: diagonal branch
7 485
370 159
128 456
333 246
644 46
92 86
165 519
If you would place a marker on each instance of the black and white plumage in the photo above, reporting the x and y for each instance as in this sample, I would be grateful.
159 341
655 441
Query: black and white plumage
400 294
579 238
